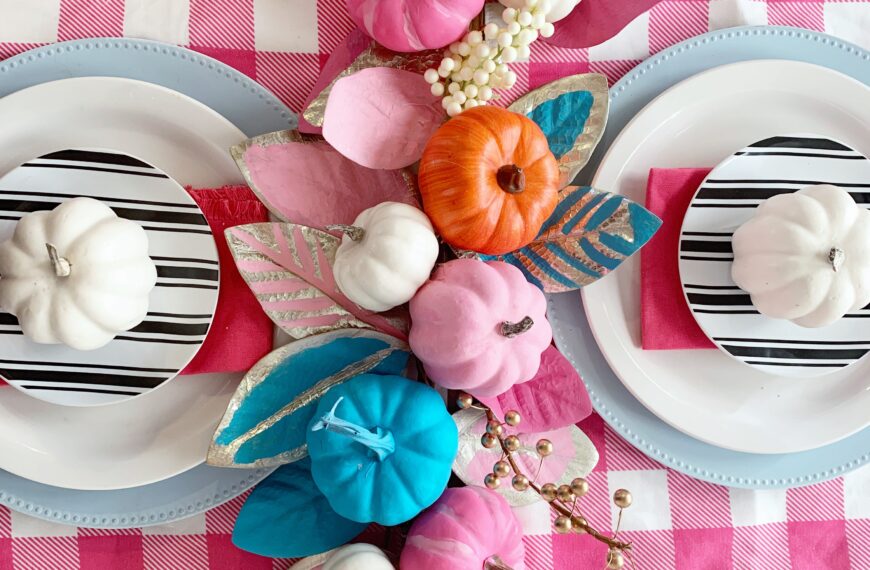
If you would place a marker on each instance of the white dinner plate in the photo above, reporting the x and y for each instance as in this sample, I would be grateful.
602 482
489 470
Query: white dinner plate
705 393
180 307
727 199
168 430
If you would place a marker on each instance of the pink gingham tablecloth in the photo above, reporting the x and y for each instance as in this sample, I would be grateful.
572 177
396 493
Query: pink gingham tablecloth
675 522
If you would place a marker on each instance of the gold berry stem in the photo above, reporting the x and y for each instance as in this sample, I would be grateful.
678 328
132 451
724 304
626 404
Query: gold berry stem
576 520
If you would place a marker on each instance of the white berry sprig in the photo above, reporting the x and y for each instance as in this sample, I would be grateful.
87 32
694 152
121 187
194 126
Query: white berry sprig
477 64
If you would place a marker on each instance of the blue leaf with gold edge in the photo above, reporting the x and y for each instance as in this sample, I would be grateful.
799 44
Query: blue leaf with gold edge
265 422
587 236
572 113
286 516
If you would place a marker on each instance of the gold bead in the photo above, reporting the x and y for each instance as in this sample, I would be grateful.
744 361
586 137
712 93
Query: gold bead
579 523
512 418
564 493
501 469
615 560
491 481
494 428
464 400
580 486
562 524
512 443
488 440
544 447
520 482
548 492
622 498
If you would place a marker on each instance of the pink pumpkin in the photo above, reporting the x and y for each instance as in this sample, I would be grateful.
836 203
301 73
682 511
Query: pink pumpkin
479 327
414 25
466 527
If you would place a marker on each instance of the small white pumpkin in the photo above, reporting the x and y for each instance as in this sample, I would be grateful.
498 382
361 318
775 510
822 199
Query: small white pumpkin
385 256
76 275
805 256
559 9
350 557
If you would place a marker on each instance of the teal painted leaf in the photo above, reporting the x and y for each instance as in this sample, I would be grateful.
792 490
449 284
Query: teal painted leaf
265 423
286 516
587 236
572 112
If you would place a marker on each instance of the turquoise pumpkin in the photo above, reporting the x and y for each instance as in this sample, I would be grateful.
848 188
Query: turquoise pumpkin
381 448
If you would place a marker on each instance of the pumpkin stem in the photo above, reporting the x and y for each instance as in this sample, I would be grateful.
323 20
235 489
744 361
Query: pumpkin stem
495 563
355 233
61 265
511 330
836 256
511 179
380 441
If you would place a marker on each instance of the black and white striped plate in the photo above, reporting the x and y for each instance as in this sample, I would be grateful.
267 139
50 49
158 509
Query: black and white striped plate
727 199
181 305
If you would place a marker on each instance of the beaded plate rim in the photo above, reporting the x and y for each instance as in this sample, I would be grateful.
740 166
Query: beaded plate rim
649 448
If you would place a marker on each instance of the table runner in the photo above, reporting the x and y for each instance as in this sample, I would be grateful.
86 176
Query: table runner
675 521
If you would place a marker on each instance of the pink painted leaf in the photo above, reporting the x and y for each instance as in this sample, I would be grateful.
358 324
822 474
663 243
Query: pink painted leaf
289 269
308 182
556 397
595 21
381 117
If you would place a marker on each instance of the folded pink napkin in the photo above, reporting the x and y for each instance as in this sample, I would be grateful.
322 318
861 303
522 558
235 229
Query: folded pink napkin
240 333
666 321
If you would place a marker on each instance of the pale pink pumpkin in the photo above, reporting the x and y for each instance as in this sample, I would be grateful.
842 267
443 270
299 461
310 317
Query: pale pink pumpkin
414 25
466 527
461 325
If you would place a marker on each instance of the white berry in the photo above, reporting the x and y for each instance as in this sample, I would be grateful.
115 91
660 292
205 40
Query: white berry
484 93
460 97
510 78
524 18
453 87
471 90
514 28
489 66
474 37
463 49
437 89
490 31
547 30
481 77
431 76
509 15
482 51
454 109
448 63
470 104
466 73
509 54
523 52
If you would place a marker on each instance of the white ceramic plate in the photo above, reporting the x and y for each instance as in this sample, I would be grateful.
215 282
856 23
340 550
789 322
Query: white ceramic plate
705 393
166 431
181 306
727 199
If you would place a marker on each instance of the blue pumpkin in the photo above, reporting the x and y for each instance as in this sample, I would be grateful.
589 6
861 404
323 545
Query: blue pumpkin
381 448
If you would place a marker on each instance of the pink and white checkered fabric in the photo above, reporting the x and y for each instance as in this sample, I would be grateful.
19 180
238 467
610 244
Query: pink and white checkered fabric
675 522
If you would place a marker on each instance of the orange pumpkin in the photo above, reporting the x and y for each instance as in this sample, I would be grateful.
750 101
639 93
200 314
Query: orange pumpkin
488 180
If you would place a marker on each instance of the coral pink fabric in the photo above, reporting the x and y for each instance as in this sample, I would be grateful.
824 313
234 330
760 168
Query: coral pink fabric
240 333
666 321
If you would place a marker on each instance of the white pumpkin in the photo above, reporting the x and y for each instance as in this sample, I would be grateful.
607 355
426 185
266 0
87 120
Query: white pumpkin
558 8
350 557
76 275
805 256
385 256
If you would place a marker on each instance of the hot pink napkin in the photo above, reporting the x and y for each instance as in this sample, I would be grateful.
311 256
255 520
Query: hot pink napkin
240 333
666 321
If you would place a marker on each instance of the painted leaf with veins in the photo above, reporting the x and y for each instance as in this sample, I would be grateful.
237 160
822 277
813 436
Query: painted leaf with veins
289 269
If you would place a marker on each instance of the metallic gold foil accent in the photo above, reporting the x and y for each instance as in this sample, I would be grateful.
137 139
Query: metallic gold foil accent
373 56
574 160
224 455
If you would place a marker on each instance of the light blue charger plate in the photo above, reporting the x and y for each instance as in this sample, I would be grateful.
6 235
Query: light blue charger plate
571 330
254 110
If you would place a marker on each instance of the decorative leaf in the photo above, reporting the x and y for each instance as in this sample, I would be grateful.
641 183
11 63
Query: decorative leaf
306 181
265 422
373 56
572 112
588 235
289 269
286 516
573 455
553 399
593 22
381 117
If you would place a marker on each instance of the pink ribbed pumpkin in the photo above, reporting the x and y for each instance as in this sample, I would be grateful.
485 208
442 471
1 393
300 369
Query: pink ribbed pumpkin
466 527
414 25
479 327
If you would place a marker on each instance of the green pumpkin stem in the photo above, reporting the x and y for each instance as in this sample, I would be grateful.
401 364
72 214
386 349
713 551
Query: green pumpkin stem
60 265
511 330
380 441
